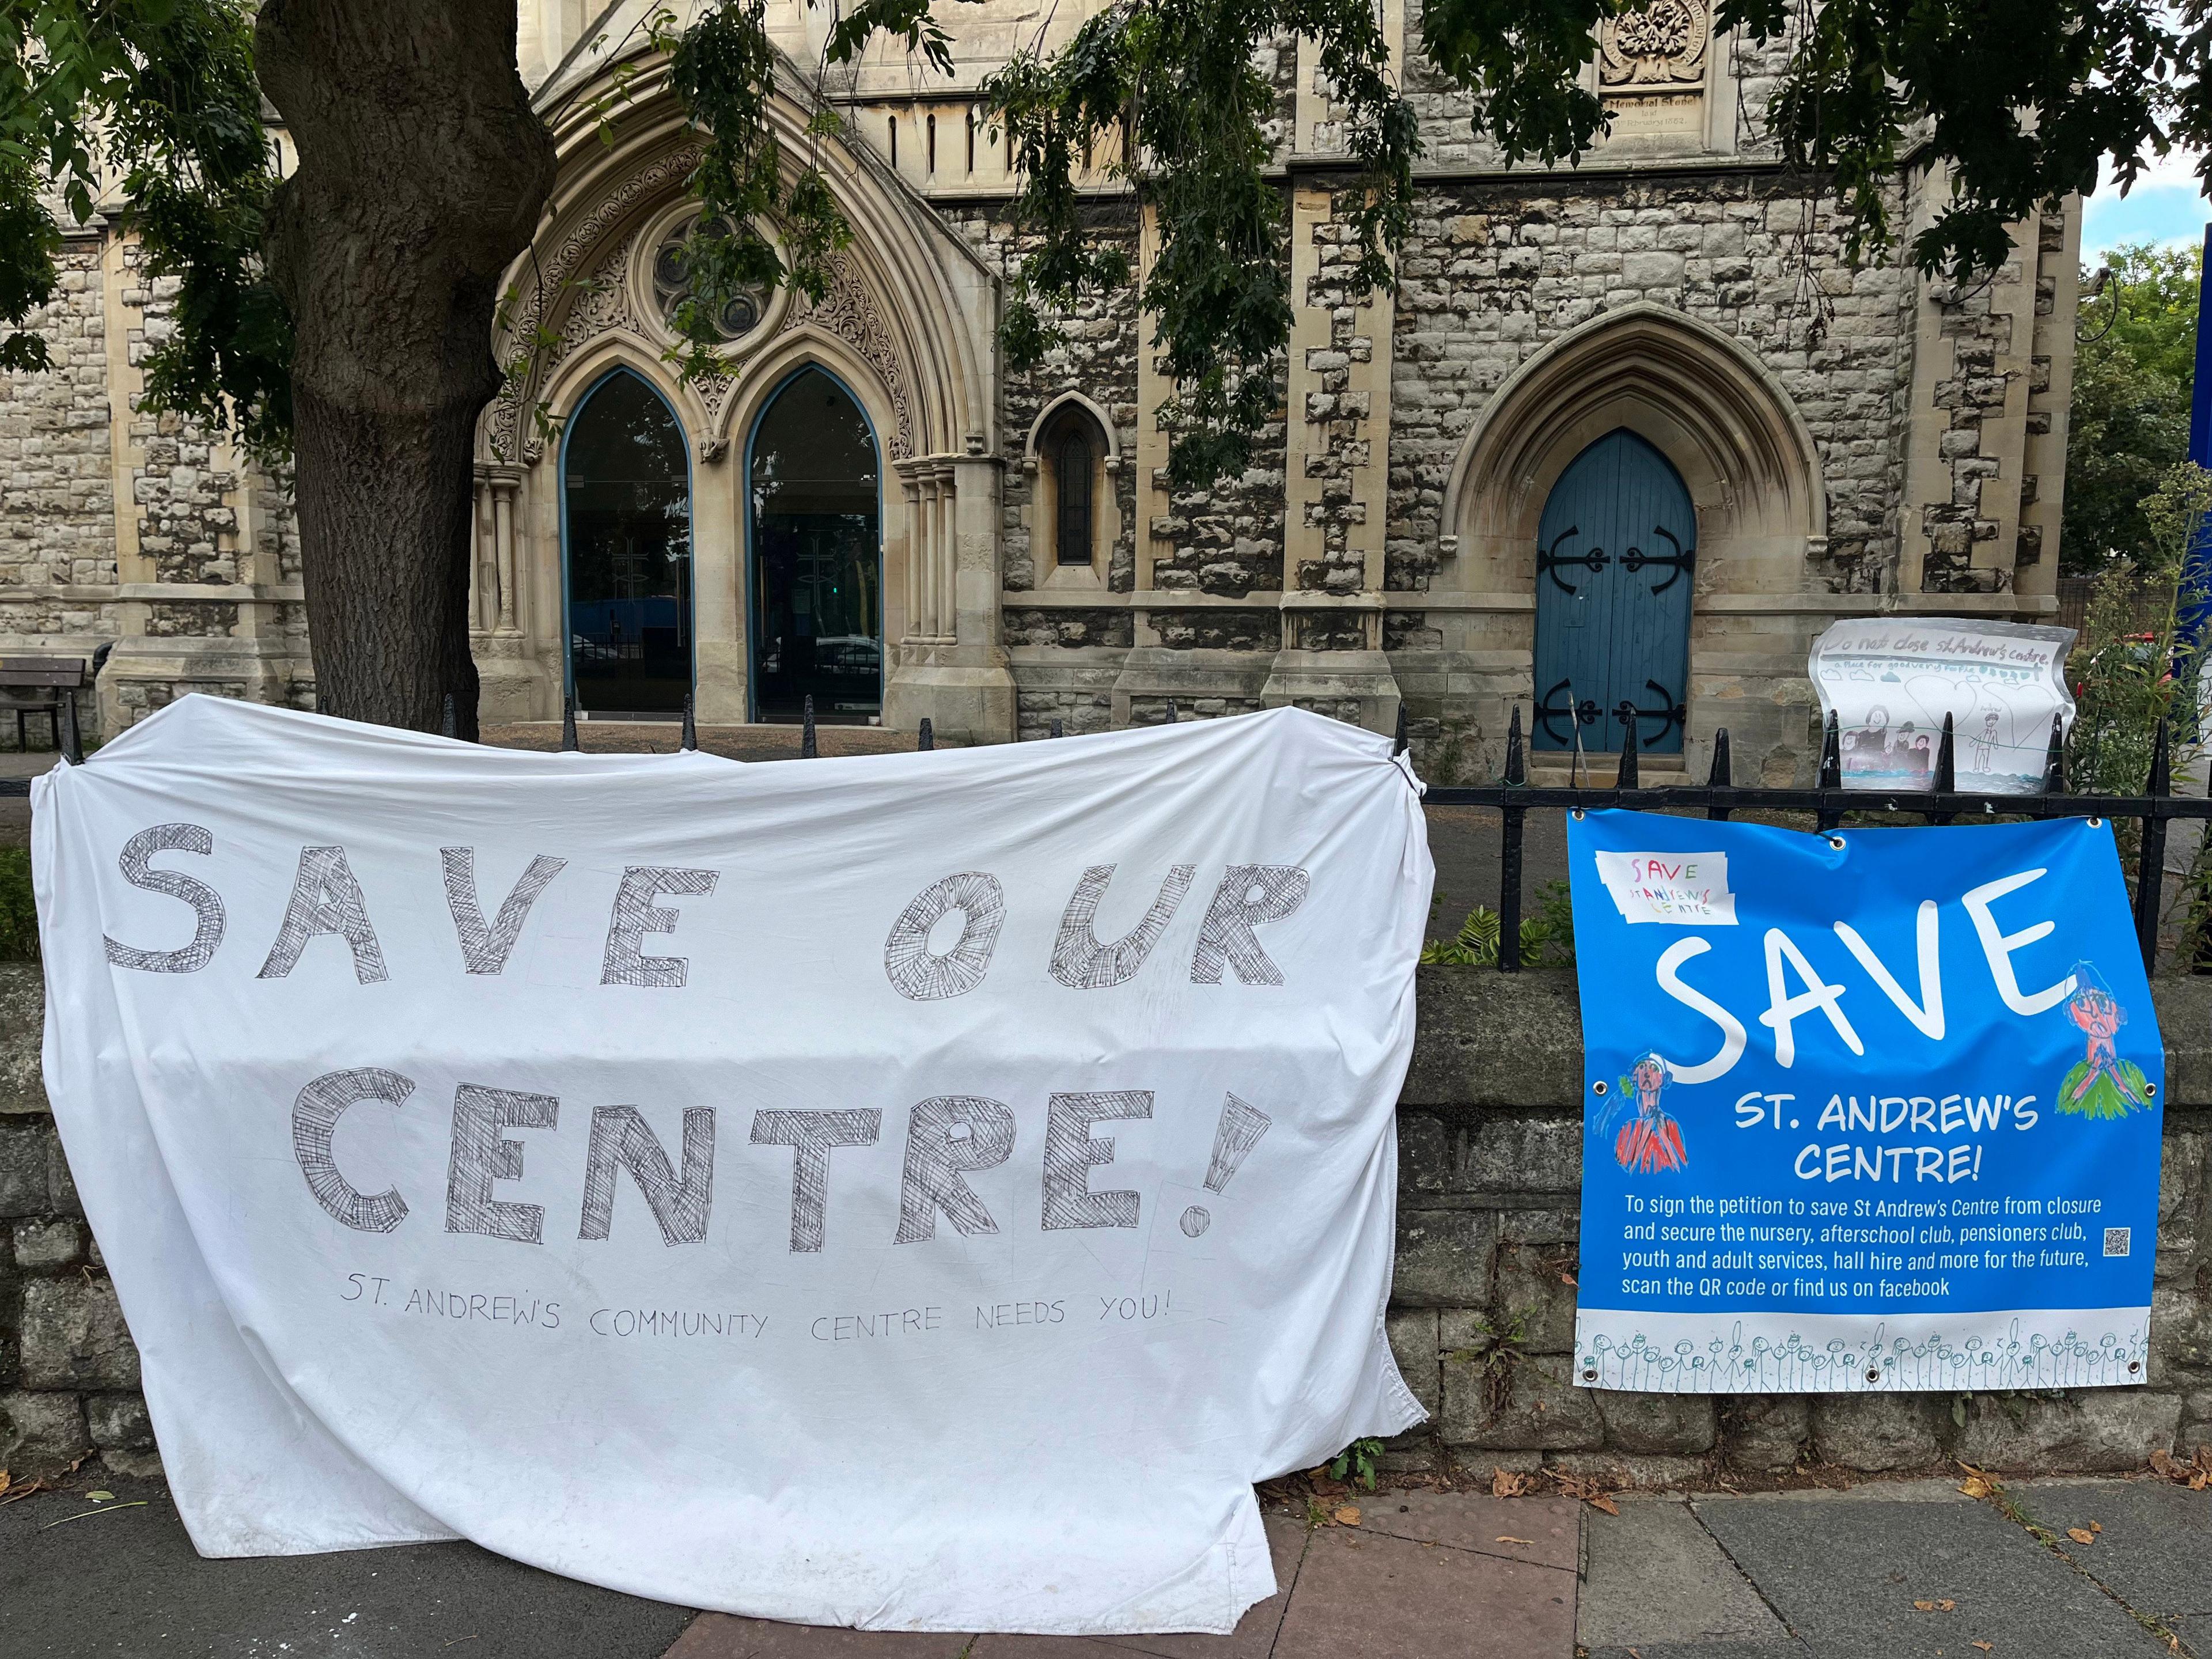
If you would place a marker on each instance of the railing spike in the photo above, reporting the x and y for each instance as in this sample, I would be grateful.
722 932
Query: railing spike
1627 778
72 746
1723 777
927 740
449 717
569 745
690 725
1946 758
807 749
1171 711
1398 743
2161 763
1056 726
1516 761
2054 757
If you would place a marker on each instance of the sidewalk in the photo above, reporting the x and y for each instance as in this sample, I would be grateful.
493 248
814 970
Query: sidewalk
1905 1570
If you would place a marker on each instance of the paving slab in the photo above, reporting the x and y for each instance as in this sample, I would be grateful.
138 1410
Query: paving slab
1658 1581
1363 1596
717 1636
1845 1577
127 1582
1546 1531
1253 1638
2154 1552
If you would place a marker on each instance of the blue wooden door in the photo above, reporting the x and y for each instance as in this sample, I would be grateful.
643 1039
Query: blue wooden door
1615 564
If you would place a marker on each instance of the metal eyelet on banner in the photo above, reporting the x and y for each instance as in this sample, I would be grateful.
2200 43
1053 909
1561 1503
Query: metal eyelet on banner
1599 1086
1836 842
1874 1373
2150 1091
2096 824
1576 813
1590 1373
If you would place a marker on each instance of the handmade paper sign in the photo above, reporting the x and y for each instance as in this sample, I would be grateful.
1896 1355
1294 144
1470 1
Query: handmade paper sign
1890 680
1891 1123
913 1192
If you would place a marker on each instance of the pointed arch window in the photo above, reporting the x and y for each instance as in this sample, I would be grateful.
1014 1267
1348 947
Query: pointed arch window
1073 525
1073 539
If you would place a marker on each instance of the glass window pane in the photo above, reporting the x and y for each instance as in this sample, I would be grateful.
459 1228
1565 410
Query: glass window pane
817 557
628 531
1071 477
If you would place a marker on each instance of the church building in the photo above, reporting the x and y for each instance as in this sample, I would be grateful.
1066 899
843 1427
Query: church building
1621 440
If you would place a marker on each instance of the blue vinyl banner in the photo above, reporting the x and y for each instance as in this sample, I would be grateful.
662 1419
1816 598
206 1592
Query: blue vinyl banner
1865 1111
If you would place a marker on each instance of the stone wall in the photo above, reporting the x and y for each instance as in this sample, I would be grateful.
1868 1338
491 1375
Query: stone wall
1482 1317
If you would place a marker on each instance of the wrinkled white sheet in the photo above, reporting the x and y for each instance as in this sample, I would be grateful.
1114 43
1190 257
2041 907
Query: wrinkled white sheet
656 1170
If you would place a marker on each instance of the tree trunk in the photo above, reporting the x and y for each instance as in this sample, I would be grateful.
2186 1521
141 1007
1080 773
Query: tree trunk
422 171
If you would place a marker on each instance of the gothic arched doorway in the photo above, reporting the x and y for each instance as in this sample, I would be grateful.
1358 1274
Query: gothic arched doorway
813 499
1616 553
626 542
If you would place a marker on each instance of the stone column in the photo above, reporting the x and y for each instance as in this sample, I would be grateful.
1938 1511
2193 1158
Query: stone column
951 665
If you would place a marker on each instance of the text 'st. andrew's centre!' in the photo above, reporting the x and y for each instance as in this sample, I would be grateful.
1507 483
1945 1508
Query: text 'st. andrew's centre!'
916 1192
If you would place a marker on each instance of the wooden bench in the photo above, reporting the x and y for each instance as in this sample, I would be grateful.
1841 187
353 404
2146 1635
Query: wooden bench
34 685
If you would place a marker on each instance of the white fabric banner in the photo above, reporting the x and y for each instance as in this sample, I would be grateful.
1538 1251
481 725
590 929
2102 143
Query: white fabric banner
913 1192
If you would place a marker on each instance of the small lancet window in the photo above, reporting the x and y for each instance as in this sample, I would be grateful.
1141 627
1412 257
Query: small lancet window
1071 466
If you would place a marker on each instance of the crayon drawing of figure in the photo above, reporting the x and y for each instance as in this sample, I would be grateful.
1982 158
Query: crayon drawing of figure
2102 1085
1650 1141
1985 746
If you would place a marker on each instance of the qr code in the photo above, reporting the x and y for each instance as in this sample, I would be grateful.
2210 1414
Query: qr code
2116 1241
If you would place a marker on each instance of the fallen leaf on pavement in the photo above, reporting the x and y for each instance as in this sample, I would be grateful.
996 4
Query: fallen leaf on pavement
1503 1539
1505 1484
1975 1486
1348 1516
2094 1528
2081 1534
3 1479
1935 1607
100 1496
1602 1501
1986 1647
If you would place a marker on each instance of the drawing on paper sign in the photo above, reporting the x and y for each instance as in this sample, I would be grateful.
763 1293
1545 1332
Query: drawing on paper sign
1651 1141
1676 889
2101 1084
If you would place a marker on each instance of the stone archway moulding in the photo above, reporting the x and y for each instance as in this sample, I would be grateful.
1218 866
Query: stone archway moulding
905 296
1698 396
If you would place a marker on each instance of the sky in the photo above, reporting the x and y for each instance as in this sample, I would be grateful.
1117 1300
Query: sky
2166 206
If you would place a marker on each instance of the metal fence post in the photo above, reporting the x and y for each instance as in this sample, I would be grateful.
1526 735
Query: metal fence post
1508 862
1628 777
2054 760
1721 779
569 724
72 747
449 717
1947 767
1398 744
690 727
927 738
806 746
1055 727
1832 769
2150 866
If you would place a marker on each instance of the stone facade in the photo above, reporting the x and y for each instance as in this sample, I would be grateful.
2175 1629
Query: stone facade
1853 441
1481 1316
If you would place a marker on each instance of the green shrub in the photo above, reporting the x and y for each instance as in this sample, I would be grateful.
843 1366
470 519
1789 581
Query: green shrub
19 916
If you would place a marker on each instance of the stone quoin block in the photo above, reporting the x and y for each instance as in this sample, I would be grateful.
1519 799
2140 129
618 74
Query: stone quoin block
40 1434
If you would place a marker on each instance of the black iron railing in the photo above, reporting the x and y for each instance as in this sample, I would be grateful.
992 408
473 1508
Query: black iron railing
1719 796
1515 798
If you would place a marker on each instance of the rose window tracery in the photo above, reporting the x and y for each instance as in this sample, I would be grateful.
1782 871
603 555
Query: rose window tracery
671 283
